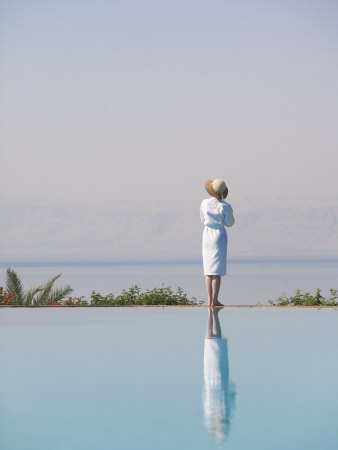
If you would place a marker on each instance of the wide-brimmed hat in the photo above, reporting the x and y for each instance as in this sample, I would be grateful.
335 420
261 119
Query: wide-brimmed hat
216 188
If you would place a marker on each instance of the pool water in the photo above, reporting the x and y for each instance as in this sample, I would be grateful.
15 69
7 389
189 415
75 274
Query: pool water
167 378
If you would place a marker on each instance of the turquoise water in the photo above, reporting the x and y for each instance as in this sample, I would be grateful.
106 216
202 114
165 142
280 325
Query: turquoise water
246 283
148 378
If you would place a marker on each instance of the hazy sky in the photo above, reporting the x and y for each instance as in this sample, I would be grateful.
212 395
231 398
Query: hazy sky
114 113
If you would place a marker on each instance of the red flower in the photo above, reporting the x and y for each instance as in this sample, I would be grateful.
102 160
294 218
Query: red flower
8 296
69 298
1 288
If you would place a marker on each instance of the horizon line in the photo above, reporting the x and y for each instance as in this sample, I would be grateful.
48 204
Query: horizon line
102 262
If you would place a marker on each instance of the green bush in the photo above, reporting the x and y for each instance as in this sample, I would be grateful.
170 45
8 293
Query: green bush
157 296
46 295
307 299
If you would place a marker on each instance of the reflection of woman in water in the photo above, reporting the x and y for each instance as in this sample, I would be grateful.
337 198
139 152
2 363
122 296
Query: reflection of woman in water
216 214
219 395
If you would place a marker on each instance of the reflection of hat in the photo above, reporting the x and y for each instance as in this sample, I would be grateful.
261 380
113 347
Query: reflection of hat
216 188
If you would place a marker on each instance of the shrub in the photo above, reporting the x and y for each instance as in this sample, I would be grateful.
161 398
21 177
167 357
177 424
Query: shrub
157 296
306 299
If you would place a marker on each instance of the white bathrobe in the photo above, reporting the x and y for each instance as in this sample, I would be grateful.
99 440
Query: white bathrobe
215 214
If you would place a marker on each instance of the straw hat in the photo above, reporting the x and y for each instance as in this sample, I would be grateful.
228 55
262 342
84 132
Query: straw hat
216 188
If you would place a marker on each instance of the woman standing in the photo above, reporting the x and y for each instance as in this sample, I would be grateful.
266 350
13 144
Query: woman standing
215 214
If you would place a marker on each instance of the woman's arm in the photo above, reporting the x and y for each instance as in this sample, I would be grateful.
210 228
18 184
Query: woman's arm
202 214
228 216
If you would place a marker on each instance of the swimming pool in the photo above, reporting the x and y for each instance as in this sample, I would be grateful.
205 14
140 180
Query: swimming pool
167 378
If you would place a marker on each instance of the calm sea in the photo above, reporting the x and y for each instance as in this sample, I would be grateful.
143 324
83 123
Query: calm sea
246 283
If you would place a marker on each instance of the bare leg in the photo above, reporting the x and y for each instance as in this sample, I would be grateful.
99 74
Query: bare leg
208 284
216 284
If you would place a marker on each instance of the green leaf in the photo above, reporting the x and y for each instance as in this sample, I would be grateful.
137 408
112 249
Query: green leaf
14 285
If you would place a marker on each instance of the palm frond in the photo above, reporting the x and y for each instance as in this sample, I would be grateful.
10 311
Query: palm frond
60 293
14 285
30 294
39 294
44 295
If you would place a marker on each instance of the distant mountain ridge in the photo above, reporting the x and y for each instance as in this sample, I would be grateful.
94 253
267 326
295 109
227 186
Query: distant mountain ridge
129 232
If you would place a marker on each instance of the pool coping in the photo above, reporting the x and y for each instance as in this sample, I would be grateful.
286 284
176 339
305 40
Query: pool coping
172 306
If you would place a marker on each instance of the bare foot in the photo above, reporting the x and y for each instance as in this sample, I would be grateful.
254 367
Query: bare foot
217 303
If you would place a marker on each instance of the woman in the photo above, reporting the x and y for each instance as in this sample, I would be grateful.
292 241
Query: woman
215 214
